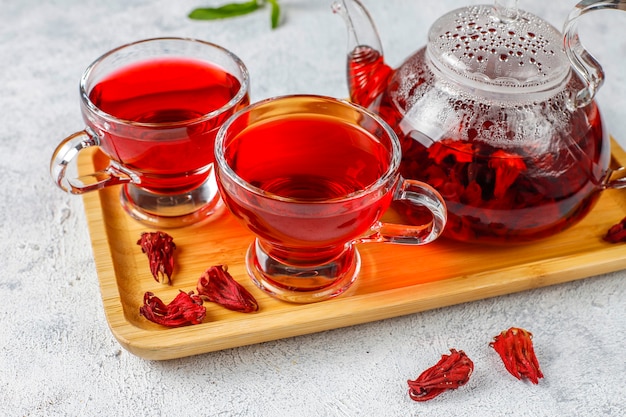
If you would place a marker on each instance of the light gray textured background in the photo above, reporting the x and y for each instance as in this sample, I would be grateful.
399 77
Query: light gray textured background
57 355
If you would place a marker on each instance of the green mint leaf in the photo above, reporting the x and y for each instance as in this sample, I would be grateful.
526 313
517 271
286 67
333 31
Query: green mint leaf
275 13
225 11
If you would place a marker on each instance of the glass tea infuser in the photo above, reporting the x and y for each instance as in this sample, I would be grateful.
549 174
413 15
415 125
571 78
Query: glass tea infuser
497 112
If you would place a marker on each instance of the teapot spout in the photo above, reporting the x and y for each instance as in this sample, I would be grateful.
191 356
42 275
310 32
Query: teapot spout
367 72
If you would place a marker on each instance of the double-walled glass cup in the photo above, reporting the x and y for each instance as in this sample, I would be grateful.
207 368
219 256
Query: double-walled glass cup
311 177
154 108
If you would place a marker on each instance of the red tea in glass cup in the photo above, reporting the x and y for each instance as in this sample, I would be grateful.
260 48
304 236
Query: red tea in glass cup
154 108
312 176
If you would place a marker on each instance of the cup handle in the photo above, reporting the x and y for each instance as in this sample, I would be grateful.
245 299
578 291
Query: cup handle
419 196
67 151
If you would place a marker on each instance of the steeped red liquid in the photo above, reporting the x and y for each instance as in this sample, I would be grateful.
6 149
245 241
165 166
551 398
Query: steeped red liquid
174 91
511 193
308 162
368 75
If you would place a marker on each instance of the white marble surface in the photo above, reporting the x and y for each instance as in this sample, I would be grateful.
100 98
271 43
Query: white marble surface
57 355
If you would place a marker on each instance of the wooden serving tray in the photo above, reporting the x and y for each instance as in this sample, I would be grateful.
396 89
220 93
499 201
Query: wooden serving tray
395 280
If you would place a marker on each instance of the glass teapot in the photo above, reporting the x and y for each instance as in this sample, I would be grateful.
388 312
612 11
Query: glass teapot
497 112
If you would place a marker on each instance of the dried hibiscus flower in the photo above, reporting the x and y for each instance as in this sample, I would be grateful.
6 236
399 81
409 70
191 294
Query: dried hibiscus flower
515 348
218 286
508 167
451 372
185 309
617 232
159 246
462 152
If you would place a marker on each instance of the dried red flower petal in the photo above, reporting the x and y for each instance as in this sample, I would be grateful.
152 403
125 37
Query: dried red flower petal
451 372
462 152
617 232
159 246
515 348
508 167
185 309
218 286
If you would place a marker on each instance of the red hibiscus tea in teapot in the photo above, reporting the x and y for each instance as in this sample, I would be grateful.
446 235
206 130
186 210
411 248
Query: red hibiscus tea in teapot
497 112
167 92
493 192
510 192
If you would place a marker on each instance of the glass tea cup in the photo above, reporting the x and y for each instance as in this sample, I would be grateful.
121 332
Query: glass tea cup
154 108
311 176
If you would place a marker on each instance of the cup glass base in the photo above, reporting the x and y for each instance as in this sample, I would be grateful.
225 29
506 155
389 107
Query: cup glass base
164 211
302 284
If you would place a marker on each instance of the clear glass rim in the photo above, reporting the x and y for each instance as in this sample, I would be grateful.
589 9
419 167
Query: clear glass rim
387 179
93 108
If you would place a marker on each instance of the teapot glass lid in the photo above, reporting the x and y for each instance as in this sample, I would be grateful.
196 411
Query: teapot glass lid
498 49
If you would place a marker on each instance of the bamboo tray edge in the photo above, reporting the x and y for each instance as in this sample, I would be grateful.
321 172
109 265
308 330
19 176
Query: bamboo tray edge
389 285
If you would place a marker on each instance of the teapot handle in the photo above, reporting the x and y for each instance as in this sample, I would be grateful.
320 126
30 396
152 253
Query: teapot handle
584 64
